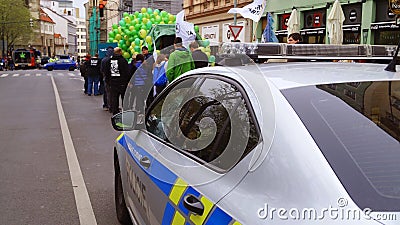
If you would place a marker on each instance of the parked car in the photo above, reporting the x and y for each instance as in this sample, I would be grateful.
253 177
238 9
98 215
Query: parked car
61 64
277 143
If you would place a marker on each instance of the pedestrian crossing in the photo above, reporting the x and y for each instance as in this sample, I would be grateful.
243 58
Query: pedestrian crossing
40 74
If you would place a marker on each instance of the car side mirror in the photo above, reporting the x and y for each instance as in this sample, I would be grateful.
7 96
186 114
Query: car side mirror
124 121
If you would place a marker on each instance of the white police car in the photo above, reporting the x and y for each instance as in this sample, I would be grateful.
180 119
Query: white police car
298 143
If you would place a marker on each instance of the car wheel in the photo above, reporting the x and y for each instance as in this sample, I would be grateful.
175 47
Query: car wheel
71 68
50 68
122 211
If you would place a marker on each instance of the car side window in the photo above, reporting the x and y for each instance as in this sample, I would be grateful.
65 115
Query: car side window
210 122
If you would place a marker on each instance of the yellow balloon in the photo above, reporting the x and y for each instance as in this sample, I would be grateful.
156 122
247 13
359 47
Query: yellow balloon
208 54
143 10
145 20
148 39
142 33
162 22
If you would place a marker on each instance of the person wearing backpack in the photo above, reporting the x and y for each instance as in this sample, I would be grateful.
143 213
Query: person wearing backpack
160 79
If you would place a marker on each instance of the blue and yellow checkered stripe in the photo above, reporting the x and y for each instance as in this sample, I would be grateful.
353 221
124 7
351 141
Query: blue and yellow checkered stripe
175 188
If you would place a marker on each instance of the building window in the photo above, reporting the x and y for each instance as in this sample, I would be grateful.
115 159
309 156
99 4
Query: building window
216 2
227 1
354 84
350 94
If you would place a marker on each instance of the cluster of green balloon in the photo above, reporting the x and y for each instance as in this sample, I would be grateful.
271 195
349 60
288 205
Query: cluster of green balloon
131 32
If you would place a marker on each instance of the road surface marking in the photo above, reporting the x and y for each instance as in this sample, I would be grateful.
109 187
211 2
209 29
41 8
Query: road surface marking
71 74
4 75
27 75
38 74
82 200
15 75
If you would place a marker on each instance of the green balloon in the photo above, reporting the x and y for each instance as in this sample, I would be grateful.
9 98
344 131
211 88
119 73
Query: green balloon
196 28
136 14
115 31
137 48
137 41
134 32
163 13
127 55
149 11
149 24
140 16
115 26
121 42
131 39
137 27
158 19
124 47
111 34
212 58
156 11
110 40
125 14
206 42
122 23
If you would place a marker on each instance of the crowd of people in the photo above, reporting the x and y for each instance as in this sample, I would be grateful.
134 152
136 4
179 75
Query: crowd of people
6 63
146 76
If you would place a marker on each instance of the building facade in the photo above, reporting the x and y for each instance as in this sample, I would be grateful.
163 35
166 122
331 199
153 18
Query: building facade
366 21
46 34
81 36
213 20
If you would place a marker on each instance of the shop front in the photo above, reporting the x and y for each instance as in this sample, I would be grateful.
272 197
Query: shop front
282 32
352 23
314 26
384 29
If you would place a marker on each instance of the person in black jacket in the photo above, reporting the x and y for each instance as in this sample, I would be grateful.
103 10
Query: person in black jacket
106 94
93 74
118 75
200 58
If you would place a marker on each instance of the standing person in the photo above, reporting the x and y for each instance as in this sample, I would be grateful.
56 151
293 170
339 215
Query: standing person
140 80
93 74
11 63
117 72
83 69
294 38
200 58
180 61
104 62
160 79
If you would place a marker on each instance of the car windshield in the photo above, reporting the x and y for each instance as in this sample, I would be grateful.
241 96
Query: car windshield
357 127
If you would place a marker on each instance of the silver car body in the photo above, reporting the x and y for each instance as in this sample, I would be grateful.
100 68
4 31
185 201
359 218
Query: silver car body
285 179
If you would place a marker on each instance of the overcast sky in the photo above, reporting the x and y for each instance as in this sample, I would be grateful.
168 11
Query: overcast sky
79 4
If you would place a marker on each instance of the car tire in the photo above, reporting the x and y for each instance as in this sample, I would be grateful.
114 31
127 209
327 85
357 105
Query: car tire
50 68
120 205
71 68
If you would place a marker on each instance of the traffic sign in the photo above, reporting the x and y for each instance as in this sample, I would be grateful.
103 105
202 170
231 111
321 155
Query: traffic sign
235 30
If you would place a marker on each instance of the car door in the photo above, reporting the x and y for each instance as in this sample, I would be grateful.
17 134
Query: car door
198 132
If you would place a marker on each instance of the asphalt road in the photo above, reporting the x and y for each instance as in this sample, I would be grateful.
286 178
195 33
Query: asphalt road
37 180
